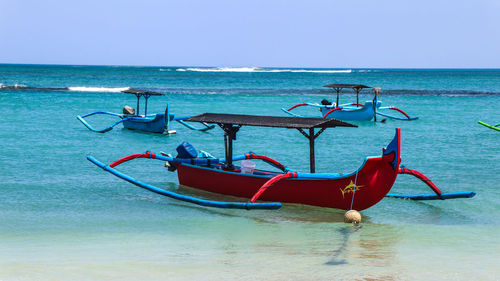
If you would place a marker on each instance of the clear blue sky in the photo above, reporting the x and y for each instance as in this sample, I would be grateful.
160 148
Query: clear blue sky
314 33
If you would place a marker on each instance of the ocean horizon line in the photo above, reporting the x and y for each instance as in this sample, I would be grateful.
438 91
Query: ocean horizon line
255 67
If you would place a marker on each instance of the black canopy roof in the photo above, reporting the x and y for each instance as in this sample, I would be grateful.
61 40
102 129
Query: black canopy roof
269 121
349 86
143 92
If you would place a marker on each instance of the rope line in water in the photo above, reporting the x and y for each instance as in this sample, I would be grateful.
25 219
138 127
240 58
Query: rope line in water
354 191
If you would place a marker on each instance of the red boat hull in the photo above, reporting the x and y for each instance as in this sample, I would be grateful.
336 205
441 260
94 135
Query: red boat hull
374 180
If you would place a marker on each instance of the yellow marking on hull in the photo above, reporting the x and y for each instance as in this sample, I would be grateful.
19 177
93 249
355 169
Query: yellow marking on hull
349 188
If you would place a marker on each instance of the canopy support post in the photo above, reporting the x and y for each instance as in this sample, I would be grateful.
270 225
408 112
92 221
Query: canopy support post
375 101
311 137
137 107
230 131
146 97
357 96
312 160
338 92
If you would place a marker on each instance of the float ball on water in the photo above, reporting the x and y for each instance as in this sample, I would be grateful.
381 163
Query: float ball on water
352 216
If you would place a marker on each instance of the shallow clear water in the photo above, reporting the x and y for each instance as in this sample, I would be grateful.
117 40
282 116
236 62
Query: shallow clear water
63 218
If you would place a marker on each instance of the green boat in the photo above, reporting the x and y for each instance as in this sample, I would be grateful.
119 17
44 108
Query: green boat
494 127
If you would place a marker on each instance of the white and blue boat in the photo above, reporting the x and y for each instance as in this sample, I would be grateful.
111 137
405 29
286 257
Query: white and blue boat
352 111
133 120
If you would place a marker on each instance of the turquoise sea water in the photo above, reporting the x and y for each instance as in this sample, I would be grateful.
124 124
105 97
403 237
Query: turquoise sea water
62 218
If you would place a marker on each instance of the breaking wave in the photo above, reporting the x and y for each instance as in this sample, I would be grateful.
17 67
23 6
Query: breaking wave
220 69
13 87
98 89
256 69
310 71
20 87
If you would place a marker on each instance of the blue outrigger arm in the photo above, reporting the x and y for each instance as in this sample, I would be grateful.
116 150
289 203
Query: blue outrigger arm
206 128
291 113
107 129
406 118
397 118
438 194
453 195
171 117
185 198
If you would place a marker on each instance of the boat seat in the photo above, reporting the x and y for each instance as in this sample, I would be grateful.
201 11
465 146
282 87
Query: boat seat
326 102
186 150
127 110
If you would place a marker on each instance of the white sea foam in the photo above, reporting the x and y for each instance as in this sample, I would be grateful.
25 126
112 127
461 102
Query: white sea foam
256 69
220 69
311 70
15 86
98 89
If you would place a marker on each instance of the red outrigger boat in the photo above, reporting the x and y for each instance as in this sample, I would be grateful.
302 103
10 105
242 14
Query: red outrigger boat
358 190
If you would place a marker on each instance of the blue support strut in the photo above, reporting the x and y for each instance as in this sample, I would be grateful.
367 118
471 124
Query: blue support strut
419 197
185 198
109 128
397 118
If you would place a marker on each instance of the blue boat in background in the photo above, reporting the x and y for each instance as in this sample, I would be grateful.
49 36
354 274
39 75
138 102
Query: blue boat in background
352 111
133 120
